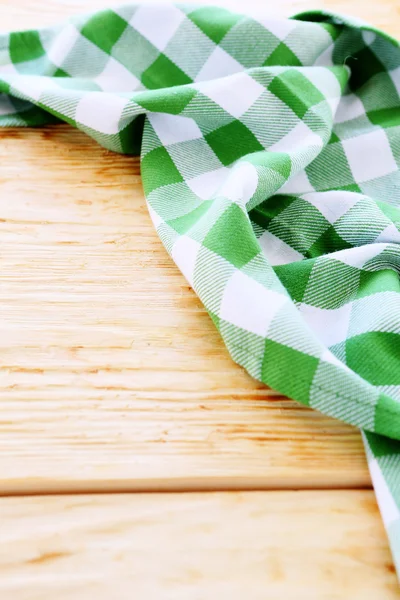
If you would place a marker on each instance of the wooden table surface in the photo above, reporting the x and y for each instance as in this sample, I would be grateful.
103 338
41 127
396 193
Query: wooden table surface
136 460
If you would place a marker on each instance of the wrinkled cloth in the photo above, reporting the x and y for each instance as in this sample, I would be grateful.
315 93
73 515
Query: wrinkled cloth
270 154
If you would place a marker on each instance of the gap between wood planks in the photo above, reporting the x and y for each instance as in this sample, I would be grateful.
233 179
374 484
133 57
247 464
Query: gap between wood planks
168 485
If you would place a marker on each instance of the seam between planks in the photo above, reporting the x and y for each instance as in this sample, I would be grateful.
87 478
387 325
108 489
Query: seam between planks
172 485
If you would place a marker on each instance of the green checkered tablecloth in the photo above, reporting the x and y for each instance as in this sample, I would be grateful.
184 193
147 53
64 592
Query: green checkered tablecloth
270 155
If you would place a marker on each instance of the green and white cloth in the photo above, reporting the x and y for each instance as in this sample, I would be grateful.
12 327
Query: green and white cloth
270 156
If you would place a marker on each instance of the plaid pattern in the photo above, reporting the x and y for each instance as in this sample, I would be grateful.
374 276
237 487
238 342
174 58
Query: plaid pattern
270 153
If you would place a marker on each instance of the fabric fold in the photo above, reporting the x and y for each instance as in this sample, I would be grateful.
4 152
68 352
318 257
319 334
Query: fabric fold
270 157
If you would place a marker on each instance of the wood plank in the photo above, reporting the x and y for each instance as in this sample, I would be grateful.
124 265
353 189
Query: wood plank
112 374
275 545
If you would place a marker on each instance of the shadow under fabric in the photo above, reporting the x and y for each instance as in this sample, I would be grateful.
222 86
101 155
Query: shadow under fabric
270 158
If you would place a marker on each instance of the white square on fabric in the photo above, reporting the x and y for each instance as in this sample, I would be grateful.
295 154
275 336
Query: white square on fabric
276 251
297 184
158 24
390 235
235 94
324 80
34 86
325 59
249 305
350 107
205 186
329 325
358 256
219 64
299 137
369 155
369 37
172 129
333 204
63 44
116 78
328 357
101 111
184 252
241 183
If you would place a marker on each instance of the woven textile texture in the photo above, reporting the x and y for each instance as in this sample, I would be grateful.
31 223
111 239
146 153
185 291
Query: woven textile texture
270 156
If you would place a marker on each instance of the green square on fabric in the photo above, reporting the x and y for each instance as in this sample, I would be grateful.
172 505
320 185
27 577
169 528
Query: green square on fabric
390 59
134 51
363 64
25 46
334 138
332 283
351 187
163 73
282 56
260 43
361 356
333 30
184 223
386 117
162 169
245 347
381 445
329 241
104 37
32 67
294 277
189 35
370 223
330 169
380 92
289 371
182 154
373 282
131 136
392 212
300 225
296 91
60 73
222 237
241 142
214 22
270 208
387 414
173 100
277 161
352 400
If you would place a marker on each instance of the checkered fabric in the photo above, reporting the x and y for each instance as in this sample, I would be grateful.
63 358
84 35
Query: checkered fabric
270 155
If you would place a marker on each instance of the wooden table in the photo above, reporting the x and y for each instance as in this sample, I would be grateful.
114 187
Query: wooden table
136 460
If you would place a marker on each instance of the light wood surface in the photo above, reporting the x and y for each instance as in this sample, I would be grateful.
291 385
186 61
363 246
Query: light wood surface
261 545
113 378
112 374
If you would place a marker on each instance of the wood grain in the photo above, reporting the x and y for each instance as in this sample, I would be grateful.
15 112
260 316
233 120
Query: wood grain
275 545
112 375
